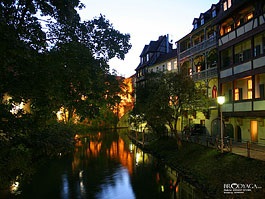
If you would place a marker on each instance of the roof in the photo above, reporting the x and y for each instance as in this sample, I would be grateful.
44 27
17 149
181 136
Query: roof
167 56
153 46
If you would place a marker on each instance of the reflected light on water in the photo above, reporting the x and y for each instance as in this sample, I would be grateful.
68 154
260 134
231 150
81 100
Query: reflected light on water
14 188
120 190
65 187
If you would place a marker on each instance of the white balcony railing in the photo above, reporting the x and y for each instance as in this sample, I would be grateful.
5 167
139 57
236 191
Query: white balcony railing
205 74
199 47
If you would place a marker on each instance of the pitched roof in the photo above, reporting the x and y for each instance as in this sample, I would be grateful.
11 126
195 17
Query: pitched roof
167 56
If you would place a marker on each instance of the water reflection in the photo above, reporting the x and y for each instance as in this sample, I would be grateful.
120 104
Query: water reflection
121 188
103 165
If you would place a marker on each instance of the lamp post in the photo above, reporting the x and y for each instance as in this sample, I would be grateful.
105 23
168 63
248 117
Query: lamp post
221 100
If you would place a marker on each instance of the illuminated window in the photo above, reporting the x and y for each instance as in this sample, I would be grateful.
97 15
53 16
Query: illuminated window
227 4
249 89
190 71
238 23
249 16
228 29
198 69
169 66
175 65
236 94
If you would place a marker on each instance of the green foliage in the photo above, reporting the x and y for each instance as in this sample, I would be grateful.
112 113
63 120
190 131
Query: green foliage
50 59
22 150
53 59
167 96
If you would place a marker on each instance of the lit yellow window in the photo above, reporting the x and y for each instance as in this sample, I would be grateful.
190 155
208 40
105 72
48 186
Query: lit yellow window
249 16
198 69
249 89
190 71
228 29
236 94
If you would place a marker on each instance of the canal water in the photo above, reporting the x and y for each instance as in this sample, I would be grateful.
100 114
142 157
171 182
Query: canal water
106 166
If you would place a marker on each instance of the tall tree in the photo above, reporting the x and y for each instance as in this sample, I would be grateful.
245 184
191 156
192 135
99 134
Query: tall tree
167 96
49 57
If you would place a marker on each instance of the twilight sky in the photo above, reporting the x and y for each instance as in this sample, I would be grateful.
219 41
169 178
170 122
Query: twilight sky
145 20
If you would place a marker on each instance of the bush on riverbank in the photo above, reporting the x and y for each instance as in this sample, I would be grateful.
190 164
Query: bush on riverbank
24 150
209 169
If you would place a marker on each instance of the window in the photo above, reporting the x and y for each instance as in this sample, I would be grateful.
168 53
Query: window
260 86
202 21
198 69
175 66
243 89
249 89
169 67
242 51
249 16
190 71
259 45
227 4
195 26
226 58
236 94
227 29
214 13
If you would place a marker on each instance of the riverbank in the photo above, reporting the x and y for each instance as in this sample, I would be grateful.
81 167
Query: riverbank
212 171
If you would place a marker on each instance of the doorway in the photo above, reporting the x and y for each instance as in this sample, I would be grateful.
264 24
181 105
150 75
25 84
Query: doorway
254 130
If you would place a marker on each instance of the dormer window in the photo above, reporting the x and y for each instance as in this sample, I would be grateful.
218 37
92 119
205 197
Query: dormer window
202 21
147 57
195 23
227 4
213 13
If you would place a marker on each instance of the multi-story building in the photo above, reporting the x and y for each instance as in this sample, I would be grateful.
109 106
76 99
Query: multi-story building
197 53
157 56
241 52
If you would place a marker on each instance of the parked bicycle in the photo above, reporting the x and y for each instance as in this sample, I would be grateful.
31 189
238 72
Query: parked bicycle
226 143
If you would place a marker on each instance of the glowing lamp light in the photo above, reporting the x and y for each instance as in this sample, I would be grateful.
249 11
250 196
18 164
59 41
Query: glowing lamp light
221 100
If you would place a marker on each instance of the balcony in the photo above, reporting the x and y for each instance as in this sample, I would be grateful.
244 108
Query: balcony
251 25
205 74
251 106
199 47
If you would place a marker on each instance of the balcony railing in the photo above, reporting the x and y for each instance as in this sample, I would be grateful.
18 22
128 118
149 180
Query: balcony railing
199 47
251 25
205 74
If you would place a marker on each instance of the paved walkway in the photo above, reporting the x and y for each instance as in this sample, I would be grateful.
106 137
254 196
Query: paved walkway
252 150
256 151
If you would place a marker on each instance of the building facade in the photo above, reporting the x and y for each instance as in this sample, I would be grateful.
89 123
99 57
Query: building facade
197 54
158 56
241 66
225 54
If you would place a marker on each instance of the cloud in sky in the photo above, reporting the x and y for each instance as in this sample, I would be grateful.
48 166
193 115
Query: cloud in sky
145 20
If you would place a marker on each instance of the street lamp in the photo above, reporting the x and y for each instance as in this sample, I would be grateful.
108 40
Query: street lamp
221 100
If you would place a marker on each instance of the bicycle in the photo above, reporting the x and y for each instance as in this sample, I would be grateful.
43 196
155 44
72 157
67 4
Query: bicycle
226 143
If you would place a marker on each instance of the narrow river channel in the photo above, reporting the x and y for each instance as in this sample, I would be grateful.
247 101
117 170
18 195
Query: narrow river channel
106 166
